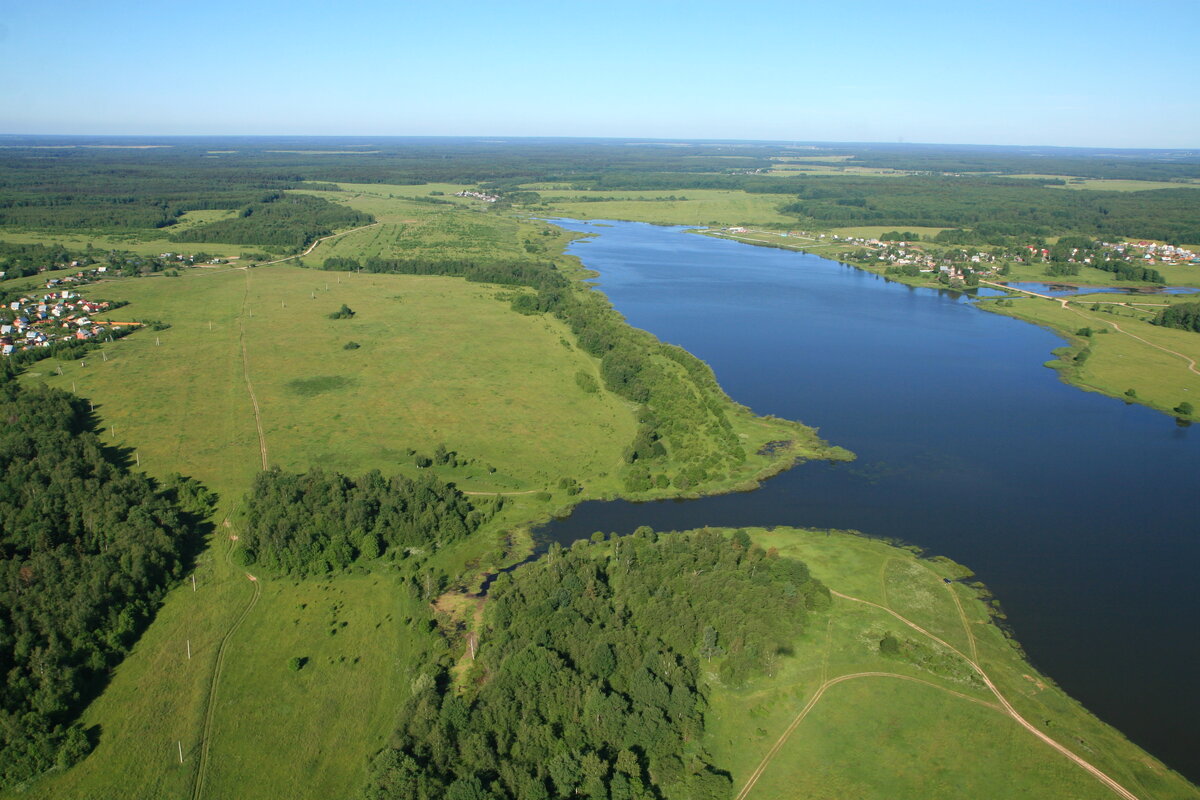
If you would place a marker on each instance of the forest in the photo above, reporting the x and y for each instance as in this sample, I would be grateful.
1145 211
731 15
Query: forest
87 550
291 221
318 522
587 681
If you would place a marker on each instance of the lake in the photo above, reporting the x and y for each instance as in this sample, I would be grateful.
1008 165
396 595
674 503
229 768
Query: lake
1078 510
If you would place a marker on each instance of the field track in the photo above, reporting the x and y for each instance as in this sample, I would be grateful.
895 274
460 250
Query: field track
1003 705
213 685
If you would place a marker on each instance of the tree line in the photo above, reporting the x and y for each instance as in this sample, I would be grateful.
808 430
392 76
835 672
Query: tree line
587 679
1184 316
87 550
286 220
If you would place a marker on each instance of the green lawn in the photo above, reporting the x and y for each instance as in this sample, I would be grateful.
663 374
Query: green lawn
702 207
927 726
441 360
1118 361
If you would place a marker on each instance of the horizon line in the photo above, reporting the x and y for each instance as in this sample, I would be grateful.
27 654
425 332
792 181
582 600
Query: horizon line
630 139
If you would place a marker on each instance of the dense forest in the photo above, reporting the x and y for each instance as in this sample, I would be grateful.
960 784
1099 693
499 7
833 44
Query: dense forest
680 412
317 522
587 681
1011 209
87 549
1184 316
292 220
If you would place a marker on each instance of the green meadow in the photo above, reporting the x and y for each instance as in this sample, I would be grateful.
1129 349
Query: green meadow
1124 351
144 243
701 206
919 723
440 361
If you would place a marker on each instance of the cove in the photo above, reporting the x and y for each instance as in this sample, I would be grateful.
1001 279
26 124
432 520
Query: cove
1079 511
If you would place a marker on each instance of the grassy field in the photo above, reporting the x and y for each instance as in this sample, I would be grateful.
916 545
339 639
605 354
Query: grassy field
441 361
702 207
143 242
1112 184
922 724
361 648
875 231
1119 361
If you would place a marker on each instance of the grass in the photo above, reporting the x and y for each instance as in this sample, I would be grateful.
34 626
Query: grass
934 731
875 231
361 648
1112 184
142 242
702 207
1118 362
441 360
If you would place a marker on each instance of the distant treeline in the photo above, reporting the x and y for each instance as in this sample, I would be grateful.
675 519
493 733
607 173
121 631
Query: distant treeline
1006 211
683 408
291 220
61 182
87 549
21 260
587 682
317 522
506 273
1184 316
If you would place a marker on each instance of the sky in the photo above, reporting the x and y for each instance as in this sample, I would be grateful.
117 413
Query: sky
1087 73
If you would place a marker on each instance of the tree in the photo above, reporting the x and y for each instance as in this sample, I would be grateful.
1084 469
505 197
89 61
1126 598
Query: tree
1184 409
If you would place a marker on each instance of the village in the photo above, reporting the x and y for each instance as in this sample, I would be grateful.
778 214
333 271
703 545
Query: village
61 316
953 263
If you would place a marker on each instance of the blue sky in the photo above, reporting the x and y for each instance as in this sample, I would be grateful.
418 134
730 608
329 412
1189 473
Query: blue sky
1105 74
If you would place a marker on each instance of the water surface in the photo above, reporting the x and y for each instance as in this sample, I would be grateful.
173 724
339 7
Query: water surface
1078 510
1071 290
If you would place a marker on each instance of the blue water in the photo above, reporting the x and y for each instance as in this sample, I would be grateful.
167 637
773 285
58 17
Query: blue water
1071 290
1078 510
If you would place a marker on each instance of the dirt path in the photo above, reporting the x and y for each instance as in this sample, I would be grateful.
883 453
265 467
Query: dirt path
262 437
505 494
1008 708
210 708
1191 363
812 702
1002 705
966 623
313 246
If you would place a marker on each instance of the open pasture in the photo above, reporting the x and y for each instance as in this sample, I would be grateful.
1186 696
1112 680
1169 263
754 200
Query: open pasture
844 717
